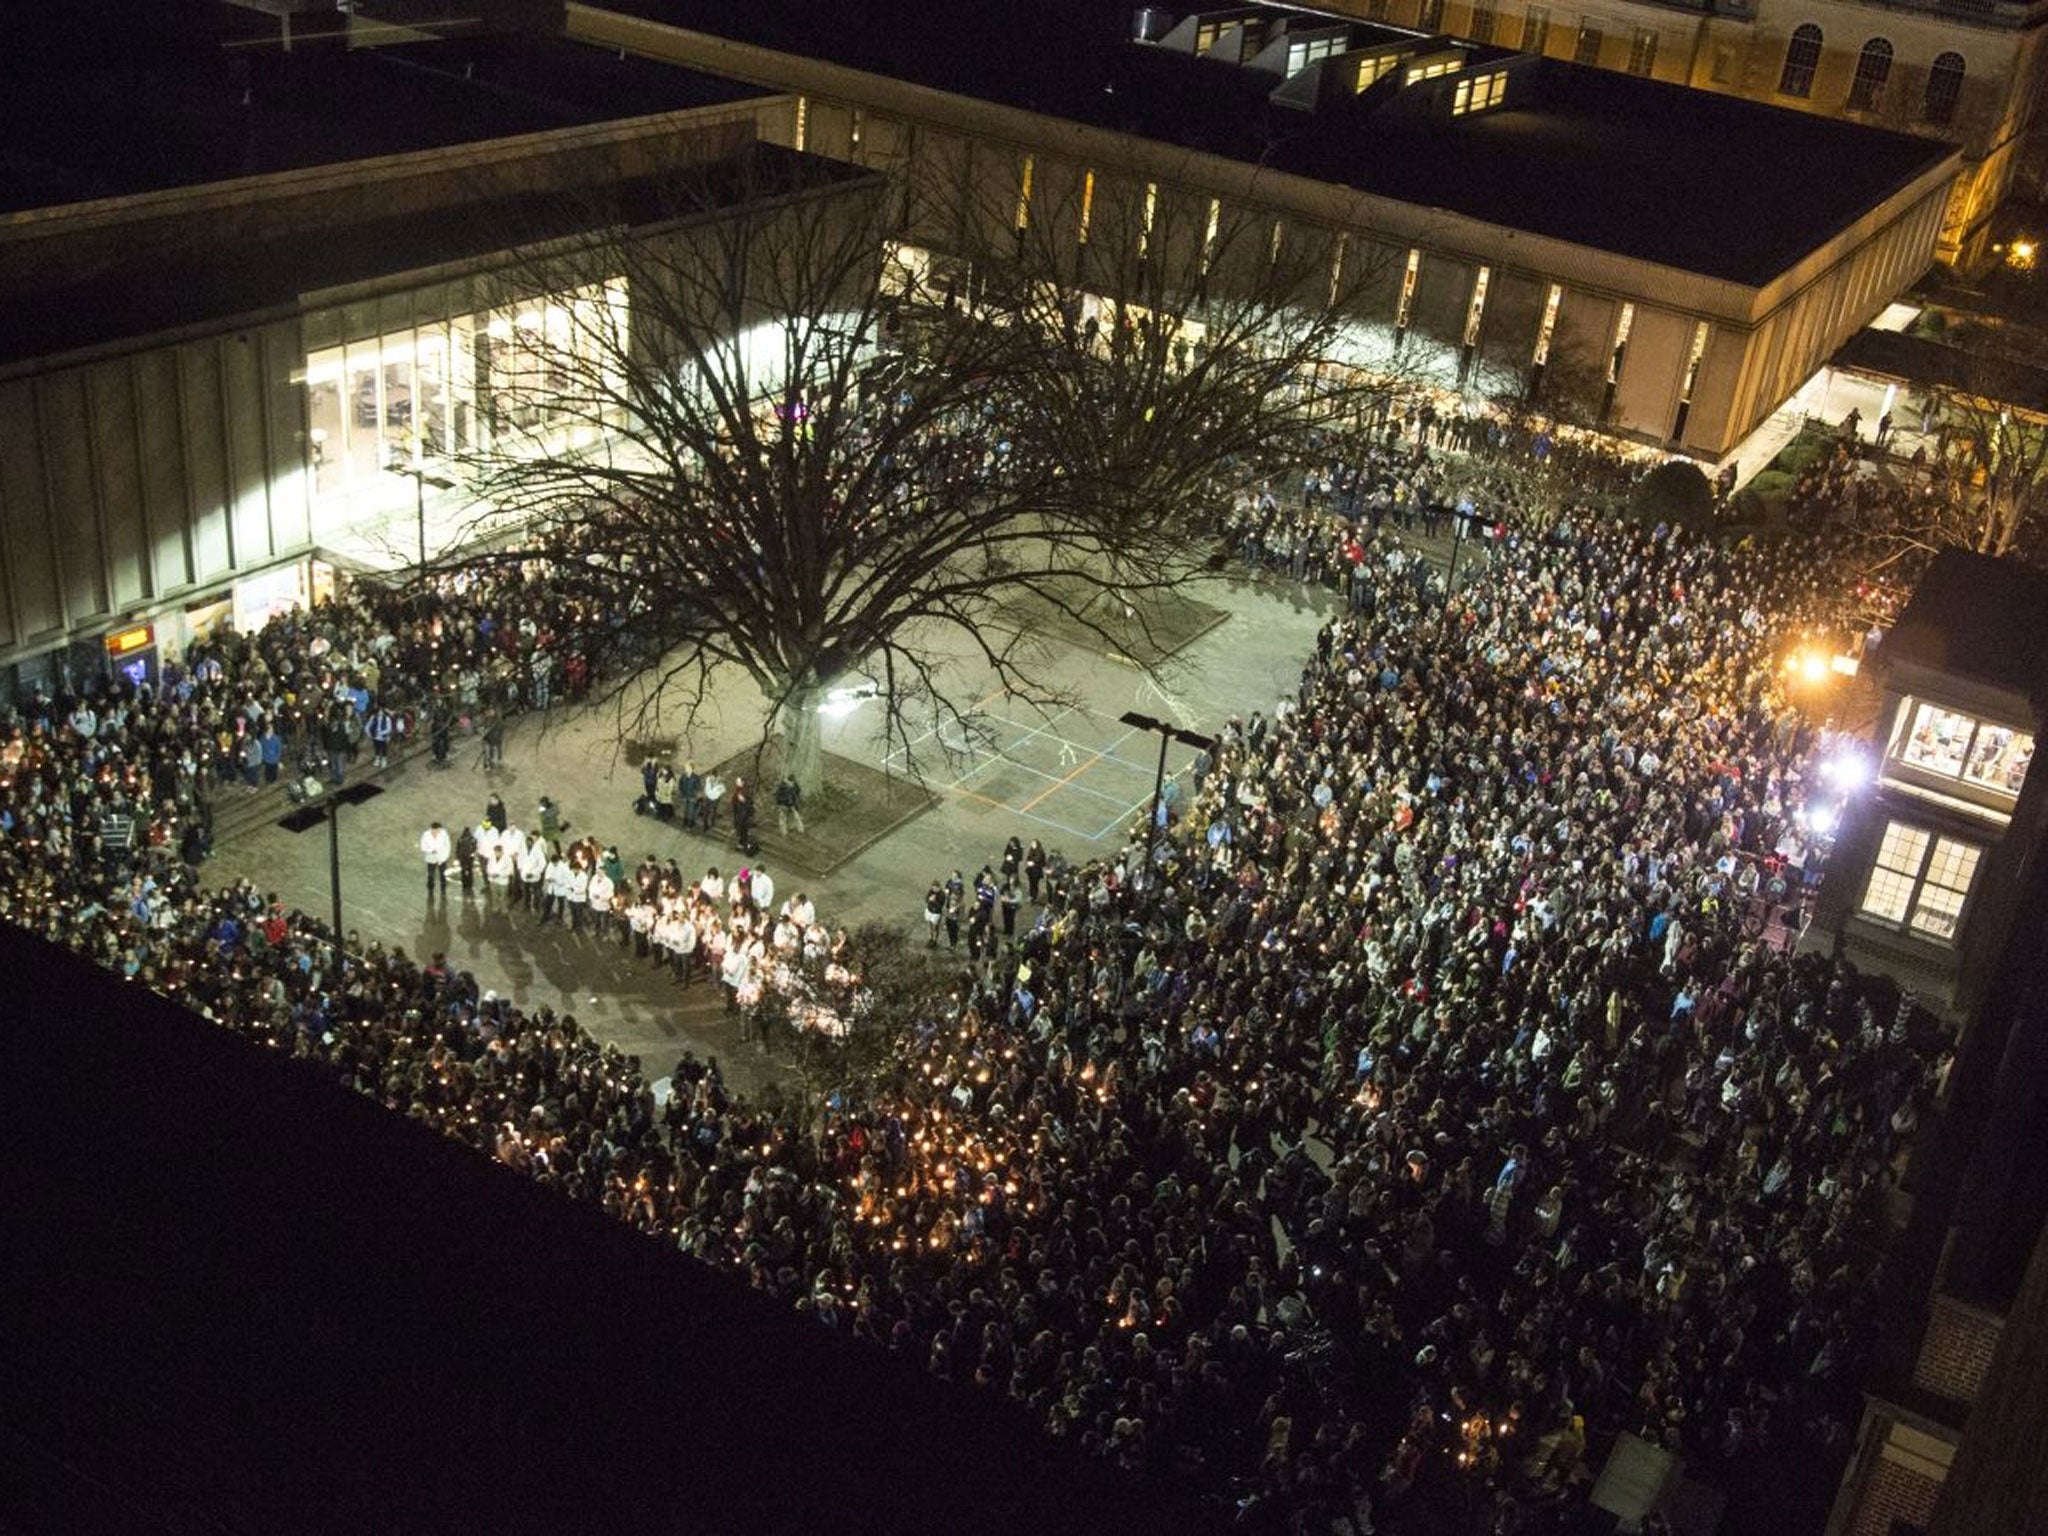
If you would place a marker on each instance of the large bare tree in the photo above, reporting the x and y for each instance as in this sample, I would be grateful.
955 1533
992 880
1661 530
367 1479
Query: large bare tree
760 433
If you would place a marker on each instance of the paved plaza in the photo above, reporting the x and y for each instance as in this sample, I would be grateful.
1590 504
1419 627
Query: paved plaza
1071 775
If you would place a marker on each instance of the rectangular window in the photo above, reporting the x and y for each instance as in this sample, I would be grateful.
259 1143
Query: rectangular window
1622 327
801 131
1536 29
1548 328
1087 206
1406 308
1642 52
1957 746
1273 245
1434 70
1209 233
1151 217
1587 49
1692 362
1024 194
1337 268
1476 310
1478 92
853 129
1920 881
1484 19
1430 18
1373 69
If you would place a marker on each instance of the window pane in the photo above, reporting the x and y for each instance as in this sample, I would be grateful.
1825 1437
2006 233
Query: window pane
1938 740
2000 757
1903 850
1953 866
1944 87
1802 57
1887 895
1936 913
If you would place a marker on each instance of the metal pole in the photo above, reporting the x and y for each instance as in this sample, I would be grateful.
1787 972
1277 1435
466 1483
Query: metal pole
419 488
334 860
1457 538
1158 793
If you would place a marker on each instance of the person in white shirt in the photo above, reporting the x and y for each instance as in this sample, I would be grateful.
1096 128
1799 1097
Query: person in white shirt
436 848
554 888
685 945
500 868
576 892
763 890
533 868
640 923
601 898
712 885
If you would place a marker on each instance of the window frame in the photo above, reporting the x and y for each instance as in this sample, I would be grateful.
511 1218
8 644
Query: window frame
1939 111
1908 873
1873 69
1962 779
1642 52
1803 53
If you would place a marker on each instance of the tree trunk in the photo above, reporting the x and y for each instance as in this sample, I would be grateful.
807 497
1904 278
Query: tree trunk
802 729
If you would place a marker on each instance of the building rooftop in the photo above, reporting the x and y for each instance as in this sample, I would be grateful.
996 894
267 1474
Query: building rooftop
244 1298
100 98
1702 182
1980 618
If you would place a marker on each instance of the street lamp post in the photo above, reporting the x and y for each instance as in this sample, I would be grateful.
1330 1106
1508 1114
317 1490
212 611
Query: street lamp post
421 478
1168 733
326 807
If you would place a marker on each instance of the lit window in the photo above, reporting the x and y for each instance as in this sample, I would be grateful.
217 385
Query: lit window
1484 18
1087 206
1956 746
1549 326
1920 881
1476 310
1802 58
1372 70
853 129
1479 92
1273 246
1434 70
1944 89
1642 52
1587 49
1406 309
1024 195
1536 29
1151 216
1692 361
802 129
1622 327
1209 233
1873 68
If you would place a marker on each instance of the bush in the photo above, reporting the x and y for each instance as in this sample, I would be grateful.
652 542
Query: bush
1674 492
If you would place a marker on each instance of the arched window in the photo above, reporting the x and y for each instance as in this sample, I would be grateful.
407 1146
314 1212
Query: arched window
1944 88
1802 57
1873 68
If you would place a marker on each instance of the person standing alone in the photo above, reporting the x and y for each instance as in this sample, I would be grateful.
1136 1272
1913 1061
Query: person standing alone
435 848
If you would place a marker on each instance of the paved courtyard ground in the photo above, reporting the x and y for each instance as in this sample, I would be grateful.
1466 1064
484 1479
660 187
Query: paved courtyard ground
1071 775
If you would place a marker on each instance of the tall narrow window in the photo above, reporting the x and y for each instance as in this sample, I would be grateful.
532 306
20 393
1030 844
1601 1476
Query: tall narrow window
1337 268
1692 377
1548 327
1406 309
1484 19
1476 310
1587 49
1024 194
1642 51
853 129
1151 217
800 131
1087 206
1622 327
1431 16
1536 29
1209 233
1873 68
1273 245
1944 90
1802 58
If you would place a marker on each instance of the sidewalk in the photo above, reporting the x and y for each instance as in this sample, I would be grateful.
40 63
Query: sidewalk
1248 661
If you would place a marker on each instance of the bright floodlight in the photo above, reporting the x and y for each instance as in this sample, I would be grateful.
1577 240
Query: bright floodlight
1813 666
1821 820
841 702
1847 771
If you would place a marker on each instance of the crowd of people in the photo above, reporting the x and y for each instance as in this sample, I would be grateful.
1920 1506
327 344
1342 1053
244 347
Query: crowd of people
1419 1113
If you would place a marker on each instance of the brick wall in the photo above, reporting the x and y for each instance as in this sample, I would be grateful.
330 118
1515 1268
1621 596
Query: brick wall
1956 1350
